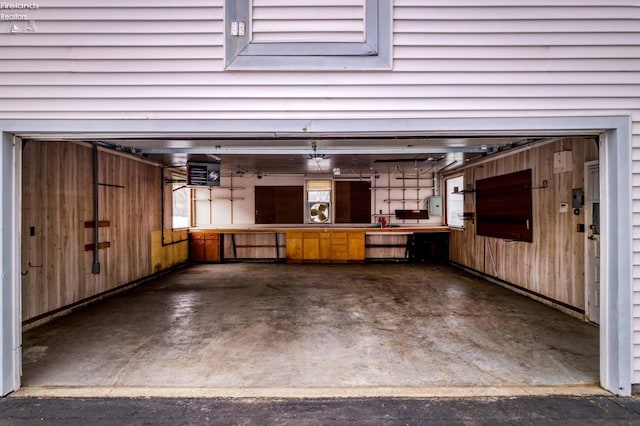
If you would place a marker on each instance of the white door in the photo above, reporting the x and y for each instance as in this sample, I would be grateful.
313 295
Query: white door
592 241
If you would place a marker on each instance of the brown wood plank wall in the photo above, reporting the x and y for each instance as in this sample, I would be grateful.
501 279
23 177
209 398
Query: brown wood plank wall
553 265
57 201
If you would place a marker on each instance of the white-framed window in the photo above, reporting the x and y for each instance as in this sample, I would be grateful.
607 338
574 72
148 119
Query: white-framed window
318 196
310 35
180 204
455 201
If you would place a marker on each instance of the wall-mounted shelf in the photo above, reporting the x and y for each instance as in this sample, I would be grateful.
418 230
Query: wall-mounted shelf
402 187
401 200
412 214
467 216
545 185
402 192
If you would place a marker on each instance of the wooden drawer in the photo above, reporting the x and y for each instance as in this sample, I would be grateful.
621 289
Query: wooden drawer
356 235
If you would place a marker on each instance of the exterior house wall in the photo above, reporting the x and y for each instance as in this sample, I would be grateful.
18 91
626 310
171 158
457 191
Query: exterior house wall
451 58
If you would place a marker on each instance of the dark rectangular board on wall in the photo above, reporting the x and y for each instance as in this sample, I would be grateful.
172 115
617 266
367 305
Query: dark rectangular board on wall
504 206
412 214
279 204
353 201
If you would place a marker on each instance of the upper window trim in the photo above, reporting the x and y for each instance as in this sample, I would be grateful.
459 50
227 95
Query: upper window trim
372 54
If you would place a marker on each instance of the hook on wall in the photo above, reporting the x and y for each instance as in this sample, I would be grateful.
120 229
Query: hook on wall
545 184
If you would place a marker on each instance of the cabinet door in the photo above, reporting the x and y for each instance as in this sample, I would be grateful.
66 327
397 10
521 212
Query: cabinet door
196 247
293 245
311 245
353 202
212 248
356 246
325 246
265 204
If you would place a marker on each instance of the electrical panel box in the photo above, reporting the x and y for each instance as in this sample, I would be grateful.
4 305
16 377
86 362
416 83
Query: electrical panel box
434 205
577 198
562 161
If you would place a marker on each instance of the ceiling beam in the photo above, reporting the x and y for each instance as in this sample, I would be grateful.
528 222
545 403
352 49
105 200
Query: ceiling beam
302 150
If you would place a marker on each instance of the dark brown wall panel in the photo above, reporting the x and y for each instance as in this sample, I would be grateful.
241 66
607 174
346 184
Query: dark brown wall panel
504 206
279 204
353 202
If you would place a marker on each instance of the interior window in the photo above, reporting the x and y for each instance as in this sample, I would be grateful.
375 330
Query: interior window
181 204
455 201
318 201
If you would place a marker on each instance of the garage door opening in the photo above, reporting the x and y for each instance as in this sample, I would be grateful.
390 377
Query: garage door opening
339 304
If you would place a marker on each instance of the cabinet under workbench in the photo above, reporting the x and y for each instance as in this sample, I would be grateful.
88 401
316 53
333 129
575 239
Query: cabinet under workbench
320 245
325 246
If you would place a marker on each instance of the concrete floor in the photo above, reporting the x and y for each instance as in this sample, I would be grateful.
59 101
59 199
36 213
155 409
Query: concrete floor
252 325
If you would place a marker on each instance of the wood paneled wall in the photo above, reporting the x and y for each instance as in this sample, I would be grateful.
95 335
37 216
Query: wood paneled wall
553 265
57 201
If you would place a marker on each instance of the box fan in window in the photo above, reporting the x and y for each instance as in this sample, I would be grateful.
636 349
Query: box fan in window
319 212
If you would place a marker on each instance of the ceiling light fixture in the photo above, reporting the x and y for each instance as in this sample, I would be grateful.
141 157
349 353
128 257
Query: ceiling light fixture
315 156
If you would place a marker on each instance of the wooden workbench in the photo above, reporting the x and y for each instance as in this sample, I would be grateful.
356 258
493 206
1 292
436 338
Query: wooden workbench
304 244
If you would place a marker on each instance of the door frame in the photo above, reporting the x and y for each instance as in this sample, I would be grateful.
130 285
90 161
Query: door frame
10 277
588 210
616 329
